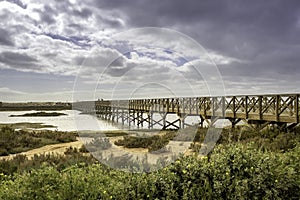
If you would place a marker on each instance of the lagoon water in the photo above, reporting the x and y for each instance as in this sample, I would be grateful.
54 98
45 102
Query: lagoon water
73 121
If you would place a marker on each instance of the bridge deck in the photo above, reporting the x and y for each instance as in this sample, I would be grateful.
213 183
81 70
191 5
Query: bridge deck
273 108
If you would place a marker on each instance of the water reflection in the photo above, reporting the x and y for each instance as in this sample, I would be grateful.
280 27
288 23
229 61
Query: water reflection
67 122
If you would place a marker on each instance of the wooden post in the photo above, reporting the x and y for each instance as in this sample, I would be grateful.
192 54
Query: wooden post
129 118
181 122
205 106
168 105
201 121
183 106
213 106
138 119
123 118
150 120
246 107
197 106
117 112
296 108
233 107
277 107
164 121
223 107
260 107
190 105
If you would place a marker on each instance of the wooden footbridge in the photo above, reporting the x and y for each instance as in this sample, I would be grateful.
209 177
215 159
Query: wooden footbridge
257 110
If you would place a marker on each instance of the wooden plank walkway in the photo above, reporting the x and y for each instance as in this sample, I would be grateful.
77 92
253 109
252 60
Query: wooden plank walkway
280 109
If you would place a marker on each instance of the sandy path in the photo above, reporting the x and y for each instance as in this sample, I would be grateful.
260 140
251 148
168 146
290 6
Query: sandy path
61 148
53 148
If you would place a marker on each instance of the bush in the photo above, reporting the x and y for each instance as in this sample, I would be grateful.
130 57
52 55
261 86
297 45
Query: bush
244 165
12 141
152 143
100 143
267 140
20 163
232 171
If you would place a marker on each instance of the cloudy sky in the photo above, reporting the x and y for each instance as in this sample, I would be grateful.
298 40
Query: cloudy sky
77 50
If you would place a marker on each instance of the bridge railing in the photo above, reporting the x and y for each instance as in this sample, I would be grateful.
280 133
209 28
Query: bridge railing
283 108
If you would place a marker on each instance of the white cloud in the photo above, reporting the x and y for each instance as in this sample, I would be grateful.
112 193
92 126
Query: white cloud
5 90
78 39
10 95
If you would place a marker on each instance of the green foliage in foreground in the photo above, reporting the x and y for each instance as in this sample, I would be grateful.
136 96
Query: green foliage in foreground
12 141
233 171
21 163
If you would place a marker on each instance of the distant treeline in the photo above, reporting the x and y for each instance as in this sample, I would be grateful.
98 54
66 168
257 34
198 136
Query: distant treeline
34 106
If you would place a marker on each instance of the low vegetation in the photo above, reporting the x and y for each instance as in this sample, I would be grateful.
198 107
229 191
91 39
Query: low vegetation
95 134
40 114
265 140
152 143
232 171
245 164
12 141
20 163
27 125
100 143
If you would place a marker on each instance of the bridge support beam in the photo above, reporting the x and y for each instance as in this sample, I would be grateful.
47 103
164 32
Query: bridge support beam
282 126
160 120
201 121
234 122
141 119
291 126
131 117
181 121
211 121
258 125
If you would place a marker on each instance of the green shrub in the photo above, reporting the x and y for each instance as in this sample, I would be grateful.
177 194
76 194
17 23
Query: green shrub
12 141
244 165
100 143
234 171
152 143
20 163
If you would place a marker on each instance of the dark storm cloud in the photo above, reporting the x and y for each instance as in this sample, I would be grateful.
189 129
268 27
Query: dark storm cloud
84 13
274 63
263 34
17 60
149 13
109 22
5 38
247 20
